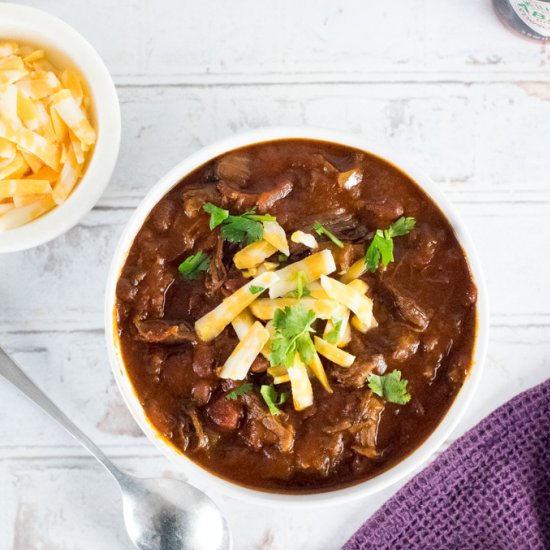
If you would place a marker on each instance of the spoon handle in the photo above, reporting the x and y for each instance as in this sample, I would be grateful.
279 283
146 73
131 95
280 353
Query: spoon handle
13 373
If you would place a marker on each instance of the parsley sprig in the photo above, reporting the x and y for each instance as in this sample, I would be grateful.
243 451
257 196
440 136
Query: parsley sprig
381 246
292 335
191 268
322 230
390 387
244 228
240 390
272 399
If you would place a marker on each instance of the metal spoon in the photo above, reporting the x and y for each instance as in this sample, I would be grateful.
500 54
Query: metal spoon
160 514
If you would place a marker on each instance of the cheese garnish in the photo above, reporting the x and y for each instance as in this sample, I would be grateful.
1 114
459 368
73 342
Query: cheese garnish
307 239
15 188
333 353
279 373
239 362
276 236
68 109
362 327
44 124
20 216
321 263
349 297
211 324
242 323
253 254
357 269
317 368
33 143
302 393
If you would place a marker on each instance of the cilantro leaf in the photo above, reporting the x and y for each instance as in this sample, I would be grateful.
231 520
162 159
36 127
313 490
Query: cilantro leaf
239 229
240 390
305 347
332 336
256 289
272 399
321 230
402 226
390 387
217 215
193 265
381 247
301 290
245 228
292 334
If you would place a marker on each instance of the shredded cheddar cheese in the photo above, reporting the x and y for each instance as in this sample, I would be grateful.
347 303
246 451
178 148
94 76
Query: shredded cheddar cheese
211 324
239 362
302 393
333 353
46 135
321 263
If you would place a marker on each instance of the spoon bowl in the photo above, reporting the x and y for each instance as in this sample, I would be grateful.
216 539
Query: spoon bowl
162 514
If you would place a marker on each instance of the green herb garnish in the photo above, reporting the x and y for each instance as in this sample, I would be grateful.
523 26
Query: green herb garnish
292 334
320 230
381 246
256 289
390 387
282 258
272 399
245 228
332 336
217 215
194 265
241 390
300 290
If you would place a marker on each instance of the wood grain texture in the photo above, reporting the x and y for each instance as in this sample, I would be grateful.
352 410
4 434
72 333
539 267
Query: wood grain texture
442 82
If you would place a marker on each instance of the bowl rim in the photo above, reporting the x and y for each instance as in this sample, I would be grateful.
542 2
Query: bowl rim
34 26
402 469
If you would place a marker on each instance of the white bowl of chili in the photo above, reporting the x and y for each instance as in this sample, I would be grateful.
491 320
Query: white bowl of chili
334 495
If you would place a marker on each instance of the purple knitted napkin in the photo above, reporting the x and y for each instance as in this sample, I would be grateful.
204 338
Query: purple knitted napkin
489 490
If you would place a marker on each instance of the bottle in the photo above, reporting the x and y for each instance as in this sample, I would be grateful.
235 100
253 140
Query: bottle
528 18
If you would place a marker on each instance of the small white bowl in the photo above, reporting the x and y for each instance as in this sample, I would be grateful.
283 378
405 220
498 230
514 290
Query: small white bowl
202 477
66 47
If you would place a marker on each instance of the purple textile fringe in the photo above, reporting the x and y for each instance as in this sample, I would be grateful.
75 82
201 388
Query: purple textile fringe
489 490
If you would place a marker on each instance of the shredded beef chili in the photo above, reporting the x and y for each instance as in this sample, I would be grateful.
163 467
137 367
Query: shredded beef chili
424 304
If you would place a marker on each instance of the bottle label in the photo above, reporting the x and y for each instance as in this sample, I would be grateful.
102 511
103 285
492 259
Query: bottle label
535 14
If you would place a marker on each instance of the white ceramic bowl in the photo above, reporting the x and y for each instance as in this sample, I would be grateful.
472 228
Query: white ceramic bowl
66 47
197 474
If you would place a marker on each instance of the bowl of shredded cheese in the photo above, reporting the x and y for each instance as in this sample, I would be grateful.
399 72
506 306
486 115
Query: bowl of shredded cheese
59 127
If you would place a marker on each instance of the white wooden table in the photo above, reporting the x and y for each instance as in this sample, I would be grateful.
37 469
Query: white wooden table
443 81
